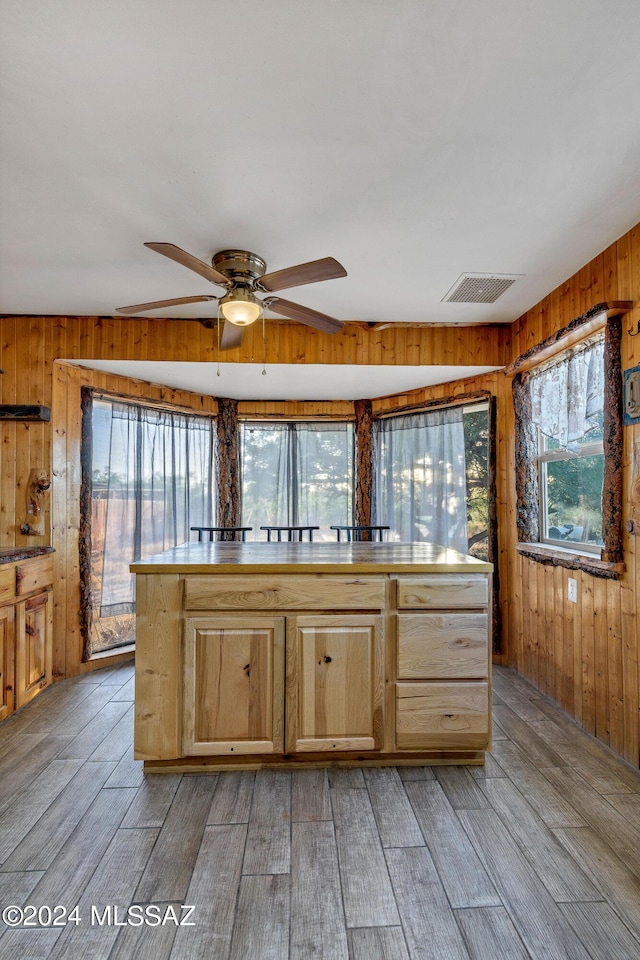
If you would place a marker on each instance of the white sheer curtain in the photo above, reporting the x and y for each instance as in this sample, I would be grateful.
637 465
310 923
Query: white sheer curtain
296 474
159 483
420 477
567 396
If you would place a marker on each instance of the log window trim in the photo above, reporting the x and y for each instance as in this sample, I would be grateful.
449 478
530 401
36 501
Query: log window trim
603 317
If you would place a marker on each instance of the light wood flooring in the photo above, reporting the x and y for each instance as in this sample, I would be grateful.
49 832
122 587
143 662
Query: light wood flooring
535 855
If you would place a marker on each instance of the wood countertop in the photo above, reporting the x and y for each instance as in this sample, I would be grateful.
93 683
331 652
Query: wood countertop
310 558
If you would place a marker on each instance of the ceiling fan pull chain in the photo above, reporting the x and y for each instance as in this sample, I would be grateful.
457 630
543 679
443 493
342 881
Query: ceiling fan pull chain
264 346
218 333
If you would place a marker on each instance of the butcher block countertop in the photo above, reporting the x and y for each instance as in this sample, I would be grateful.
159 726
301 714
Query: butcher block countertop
310 558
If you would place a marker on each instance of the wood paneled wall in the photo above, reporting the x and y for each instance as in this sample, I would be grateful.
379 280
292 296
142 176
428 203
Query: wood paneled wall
585 655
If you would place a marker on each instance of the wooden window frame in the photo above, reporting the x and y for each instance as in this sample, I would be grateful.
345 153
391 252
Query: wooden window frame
606 317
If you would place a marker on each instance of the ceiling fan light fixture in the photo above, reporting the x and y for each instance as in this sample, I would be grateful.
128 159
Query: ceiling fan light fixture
240 307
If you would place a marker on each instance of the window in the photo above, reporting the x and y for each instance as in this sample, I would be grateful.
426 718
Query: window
296 474
148 477
432 477
567 410
569 445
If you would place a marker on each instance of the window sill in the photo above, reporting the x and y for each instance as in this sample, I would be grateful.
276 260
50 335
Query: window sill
572 560
126 650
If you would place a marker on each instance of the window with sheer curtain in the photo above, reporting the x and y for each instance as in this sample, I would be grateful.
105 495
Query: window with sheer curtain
151 479
296 474
567 410
420 488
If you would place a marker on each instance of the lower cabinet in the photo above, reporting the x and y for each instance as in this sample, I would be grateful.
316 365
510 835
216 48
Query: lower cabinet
26 631
7 656
33 646
234 684
335 683
443 665
311 669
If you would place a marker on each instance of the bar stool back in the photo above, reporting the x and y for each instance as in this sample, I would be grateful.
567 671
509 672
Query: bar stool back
223 533
289 533
360 533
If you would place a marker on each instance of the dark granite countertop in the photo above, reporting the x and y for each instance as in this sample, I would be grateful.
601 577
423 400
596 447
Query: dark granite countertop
12 554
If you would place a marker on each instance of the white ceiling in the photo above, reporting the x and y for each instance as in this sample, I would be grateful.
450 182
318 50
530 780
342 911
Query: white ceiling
246 381
413 141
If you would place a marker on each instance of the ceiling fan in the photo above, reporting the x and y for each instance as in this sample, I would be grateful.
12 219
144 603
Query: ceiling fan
244 274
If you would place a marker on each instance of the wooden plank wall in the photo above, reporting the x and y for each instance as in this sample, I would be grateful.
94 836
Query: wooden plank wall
584 655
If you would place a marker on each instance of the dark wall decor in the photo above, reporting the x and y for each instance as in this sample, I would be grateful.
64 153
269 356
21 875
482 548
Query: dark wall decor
21 411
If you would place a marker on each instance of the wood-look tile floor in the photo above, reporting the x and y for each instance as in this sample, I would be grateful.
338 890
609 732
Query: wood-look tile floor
537 854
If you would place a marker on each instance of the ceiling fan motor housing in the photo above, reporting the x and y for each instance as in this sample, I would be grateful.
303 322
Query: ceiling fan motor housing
240 266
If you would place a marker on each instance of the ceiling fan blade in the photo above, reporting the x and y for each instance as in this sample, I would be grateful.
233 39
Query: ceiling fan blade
158 304
231 336
325 269
312 318
181 256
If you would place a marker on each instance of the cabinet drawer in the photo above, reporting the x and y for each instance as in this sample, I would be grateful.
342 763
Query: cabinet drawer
33 575
442 592
442 645
442 716
283 593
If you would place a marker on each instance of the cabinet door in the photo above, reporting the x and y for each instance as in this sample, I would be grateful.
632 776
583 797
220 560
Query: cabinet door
7 648
33 646
233 685
335 683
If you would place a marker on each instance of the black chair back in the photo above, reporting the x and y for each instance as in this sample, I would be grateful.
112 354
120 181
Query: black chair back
289 533
223 533
357 534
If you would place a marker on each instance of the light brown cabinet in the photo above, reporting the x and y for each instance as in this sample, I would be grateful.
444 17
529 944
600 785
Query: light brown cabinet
233 685
335 683
7 659
33 646
247 656
25 631
443 664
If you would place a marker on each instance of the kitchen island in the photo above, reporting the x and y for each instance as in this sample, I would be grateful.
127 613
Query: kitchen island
308 654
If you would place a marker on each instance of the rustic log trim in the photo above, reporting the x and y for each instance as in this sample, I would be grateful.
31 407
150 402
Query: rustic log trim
460 398
164 403
612 492
21 411
493 547
579 328
526 450
227 455
84 531
363 466
541 553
